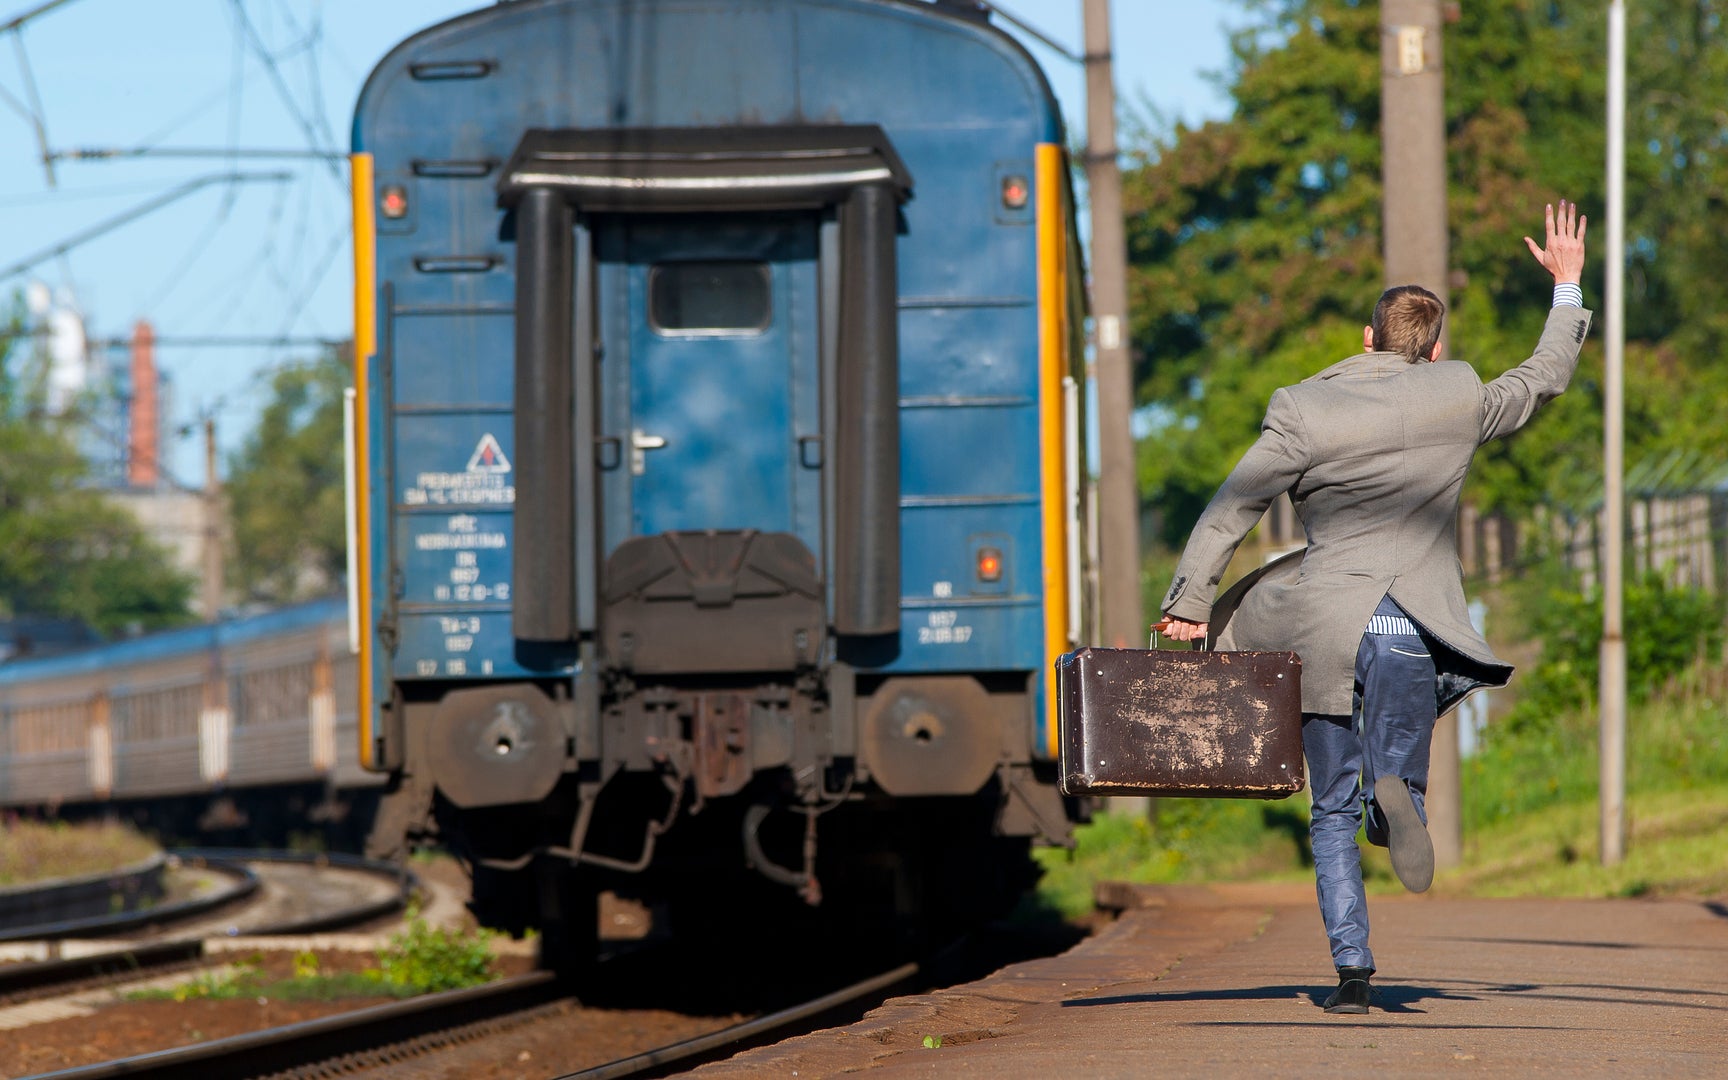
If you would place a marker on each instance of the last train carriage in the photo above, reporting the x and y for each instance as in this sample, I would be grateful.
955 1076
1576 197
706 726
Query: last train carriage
719 457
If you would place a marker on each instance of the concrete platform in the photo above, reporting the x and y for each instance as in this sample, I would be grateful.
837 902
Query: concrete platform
1227 981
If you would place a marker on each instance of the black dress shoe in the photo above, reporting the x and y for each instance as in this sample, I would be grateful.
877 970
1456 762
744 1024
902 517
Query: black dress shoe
1352 994
1407 837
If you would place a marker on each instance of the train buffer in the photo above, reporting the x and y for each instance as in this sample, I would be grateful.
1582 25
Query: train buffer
1226 981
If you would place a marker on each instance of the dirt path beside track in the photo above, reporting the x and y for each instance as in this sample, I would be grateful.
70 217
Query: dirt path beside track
1226 982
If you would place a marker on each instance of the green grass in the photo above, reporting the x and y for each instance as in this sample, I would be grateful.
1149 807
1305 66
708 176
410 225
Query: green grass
1532 819
1530 816
39 851
1187 840
421 959
245 979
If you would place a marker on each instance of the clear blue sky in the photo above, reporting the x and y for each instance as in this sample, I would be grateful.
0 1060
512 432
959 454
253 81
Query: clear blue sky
270 257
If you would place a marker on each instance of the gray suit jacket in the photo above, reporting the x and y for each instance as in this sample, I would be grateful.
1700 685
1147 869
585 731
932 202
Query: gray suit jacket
1373 451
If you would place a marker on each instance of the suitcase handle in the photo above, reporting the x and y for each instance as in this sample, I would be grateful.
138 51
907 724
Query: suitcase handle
1164 624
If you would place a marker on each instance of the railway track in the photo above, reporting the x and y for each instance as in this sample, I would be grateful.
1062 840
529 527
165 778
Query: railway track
345 1042
238 883
482 1031
108 964
389 1034
473 1032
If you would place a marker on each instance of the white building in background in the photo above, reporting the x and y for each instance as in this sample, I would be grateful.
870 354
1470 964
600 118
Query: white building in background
61 342
77 379
121 406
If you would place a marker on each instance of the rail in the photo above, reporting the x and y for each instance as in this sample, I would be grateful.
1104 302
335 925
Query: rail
778 1025
447 1016
25 981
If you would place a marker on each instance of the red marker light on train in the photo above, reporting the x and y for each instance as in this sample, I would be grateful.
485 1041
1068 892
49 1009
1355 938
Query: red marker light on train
1015 192
989 564
393 201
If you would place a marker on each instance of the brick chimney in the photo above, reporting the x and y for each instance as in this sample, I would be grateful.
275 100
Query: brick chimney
144 443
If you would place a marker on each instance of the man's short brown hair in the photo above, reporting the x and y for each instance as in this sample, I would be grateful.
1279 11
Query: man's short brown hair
1407 321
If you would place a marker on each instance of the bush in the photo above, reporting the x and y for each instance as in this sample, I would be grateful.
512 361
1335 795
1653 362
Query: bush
1667 630
425 959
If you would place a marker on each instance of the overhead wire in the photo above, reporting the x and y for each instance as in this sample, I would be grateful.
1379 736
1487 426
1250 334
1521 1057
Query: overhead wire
288 261
236 89
337 241
272 69
174 278
230 193
23 198
289 264
314 41
198 109
38 117
228 303
105 226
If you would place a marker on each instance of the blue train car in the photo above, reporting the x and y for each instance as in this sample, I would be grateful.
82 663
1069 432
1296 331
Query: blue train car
243 728
719 457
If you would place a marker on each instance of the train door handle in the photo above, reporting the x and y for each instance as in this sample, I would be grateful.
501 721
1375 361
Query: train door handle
810 451
640 444
608 452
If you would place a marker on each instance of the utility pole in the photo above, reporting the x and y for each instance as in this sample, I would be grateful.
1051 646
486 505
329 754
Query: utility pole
1413 206
1612 690
1118 487
212 526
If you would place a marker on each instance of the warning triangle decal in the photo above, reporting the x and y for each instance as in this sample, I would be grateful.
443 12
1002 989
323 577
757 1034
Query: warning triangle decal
488 457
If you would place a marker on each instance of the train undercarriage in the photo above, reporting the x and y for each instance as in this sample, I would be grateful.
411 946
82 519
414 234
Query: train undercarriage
887 812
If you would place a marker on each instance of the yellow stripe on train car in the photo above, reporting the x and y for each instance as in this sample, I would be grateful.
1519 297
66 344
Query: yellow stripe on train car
1052 439
365 346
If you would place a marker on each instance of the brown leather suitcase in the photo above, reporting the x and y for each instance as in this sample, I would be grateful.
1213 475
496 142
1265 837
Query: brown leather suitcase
1180 723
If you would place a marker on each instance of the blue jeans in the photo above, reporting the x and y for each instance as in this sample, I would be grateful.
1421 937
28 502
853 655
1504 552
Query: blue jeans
1389 734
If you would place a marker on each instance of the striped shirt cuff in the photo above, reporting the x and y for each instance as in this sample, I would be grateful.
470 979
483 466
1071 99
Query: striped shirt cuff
1391 624
1568 294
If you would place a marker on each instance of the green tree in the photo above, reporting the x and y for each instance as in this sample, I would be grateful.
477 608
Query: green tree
65 550
285 488
1255 241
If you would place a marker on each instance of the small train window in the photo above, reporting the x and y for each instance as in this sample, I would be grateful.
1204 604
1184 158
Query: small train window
708 297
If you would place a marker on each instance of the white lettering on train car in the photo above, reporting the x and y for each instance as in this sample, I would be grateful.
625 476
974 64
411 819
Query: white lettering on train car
464 538
483 482
449 542
944 629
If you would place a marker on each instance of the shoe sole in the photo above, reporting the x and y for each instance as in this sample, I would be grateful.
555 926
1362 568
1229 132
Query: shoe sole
1348 1010
1406 836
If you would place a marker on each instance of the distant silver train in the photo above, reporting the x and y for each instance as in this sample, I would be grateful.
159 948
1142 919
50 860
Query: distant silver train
242 725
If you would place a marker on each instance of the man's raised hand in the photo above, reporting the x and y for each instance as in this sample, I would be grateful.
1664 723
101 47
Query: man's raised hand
1563 255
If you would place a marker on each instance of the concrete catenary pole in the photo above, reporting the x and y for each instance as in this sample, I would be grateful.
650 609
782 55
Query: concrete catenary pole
1613 653
1118 489
1413 172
